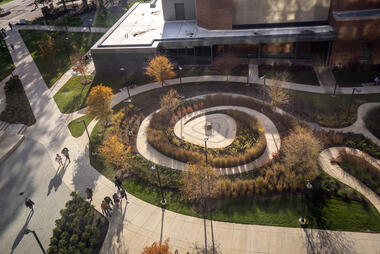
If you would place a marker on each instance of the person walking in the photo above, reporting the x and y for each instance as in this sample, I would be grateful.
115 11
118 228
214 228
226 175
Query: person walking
10 25
108 201
377 81
65 152
123 194
89 193
105 208
35 4
29 203
12 47
118 183
116 199
3 32
58 159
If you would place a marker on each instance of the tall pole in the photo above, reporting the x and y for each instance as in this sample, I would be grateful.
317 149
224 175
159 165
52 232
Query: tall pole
351 99
212 235
334 94
262 105
205 139
180 84
159 182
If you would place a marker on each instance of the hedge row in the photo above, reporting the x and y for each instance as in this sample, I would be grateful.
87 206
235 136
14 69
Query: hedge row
80 229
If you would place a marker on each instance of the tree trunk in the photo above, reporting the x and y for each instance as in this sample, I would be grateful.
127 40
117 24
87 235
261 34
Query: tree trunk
101 4
64 5
85 5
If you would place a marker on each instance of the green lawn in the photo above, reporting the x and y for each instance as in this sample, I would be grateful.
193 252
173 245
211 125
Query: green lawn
354 78
53 67
6 62
72 96
77 129
17 109
372 121
5 1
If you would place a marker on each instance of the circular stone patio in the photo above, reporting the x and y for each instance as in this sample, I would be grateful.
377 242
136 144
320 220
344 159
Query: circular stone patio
221 134
271 135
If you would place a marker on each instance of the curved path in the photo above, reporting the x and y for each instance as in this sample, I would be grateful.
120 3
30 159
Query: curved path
271 135
337 172
359 126
139 224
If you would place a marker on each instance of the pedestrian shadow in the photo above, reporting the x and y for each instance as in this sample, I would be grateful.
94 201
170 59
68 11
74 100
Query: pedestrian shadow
114 242
56 181
20 235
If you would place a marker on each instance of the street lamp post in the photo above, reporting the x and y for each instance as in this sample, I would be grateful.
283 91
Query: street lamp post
163 201
309 187
67 42
262 105
128 83
351 99
27 231
85 126
89 24
205 140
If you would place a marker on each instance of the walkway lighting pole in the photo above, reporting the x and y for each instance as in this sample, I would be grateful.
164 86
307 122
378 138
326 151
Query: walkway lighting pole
122 69
205 140
89 24
163 201
309 187
351 99
334 94
262 105
27 231
85 126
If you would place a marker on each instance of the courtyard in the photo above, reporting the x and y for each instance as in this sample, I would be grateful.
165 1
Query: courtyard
255 158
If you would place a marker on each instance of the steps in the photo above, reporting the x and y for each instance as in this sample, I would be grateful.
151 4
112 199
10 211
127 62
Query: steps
10 138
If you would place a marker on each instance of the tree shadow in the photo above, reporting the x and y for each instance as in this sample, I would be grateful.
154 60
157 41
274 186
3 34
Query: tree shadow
56 181
114 242
20 235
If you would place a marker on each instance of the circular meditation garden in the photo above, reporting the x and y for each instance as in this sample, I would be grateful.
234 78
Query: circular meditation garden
249 145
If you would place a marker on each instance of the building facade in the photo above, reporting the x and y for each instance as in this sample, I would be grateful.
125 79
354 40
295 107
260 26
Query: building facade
195 32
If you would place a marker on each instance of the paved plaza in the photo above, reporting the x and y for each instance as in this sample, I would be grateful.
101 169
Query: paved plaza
221 133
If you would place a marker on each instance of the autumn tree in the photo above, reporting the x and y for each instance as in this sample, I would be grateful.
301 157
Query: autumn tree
47 47
170 100
200 184
114 151
79 64
226 63
158 248
277 93
301 150
99 102
160 69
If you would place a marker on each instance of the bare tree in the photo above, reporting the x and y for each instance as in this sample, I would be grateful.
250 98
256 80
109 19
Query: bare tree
225 64
277 94
170 100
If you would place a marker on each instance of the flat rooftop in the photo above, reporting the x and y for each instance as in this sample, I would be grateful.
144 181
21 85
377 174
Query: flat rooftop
142 26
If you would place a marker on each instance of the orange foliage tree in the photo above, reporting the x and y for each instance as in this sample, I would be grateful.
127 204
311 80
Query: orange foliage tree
99 102
114 151
170 100
160 69
79 64
158 248
200 184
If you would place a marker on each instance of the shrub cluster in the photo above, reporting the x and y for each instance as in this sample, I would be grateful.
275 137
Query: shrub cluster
79 228
360 169
247 146
17 109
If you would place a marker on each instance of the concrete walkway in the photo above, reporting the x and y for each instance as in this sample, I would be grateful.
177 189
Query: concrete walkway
139 224
337 172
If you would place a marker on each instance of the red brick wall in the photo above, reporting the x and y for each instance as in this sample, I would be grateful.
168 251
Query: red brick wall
214 14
